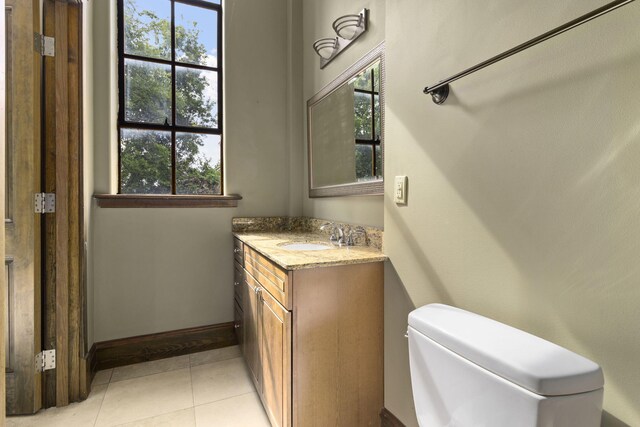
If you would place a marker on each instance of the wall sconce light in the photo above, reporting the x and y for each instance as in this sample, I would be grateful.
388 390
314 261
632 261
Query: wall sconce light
325 47
348 28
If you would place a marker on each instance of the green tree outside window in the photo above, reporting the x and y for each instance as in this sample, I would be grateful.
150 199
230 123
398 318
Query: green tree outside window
152 158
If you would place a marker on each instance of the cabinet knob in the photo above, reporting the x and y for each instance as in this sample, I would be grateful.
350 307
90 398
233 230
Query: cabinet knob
237 325
236 250
236 283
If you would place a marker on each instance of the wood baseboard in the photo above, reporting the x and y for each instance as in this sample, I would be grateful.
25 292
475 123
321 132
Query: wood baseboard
387 419
88 369
144 348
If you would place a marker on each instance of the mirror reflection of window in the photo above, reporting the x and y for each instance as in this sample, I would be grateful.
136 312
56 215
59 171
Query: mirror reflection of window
368 151
345 124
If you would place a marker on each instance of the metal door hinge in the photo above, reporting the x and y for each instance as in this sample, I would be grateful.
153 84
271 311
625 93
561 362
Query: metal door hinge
45 203
45 360
45 45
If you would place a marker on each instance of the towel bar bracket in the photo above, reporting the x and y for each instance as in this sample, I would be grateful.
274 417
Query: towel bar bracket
438 95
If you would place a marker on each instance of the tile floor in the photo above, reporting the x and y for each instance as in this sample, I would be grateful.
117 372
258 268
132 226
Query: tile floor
212 388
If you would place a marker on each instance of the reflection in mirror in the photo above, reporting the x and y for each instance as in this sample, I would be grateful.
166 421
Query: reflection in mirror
366 100
345 132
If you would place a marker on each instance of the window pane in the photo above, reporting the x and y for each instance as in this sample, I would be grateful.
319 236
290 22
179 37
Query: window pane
196 97
145 161
363 80
362 106
147 92
147 28
197 163
364 162
196 35
378 161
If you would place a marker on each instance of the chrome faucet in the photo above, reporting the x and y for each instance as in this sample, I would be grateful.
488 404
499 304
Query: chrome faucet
343 236
337 234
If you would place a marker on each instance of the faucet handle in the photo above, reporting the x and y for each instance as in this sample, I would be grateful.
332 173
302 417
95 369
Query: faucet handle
334 230
357 230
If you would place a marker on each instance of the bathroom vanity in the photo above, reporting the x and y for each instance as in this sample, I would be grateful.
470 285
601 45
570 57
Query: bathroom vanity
310 324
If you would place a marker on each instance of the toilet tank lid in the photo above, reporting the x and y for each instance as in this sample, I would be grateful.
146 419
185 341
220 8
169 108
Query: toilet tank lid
524 359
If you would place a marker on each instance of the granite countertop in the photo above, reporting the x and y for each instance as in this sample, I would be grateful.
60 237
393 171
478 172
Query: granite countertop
268 243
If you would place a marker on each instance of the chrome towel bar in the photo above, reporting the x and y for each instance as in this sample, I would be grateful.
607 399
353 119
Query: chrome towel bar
440 90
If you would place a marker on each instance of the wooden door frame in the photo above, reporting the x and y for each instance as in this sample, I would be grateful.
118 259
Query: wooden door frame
23 393
64 285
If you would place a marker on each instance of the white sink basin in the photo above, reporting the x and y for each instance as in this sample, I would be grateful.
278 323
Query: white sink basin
305 246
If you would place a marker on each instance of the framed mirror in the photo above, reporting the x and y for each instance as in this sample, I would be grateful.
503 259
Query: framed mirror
345 131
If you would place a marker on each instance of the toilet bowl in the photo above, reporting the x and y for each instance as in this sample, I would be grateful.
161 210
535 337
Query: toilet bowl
471 371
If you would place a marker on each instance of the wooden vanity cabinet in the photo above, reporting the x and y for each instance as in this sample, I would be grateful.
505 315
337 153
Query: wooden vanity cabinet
313 341
238 283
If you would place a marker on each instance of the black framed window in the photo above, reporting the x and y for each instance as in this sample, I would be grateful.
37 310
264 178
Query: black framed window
170 97
366 88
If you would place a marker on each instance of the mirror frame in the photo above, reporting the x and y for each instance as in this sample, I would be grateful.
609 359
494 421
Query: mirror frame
354 188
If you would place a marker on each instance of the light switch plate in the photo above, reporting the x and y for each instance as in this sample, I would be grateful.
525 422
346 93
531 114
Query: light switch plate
400 190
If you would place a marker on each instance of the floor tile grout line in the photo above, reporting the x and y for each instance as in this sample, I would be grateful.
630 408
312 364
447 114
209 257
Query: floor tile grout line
216 361
148 375
137 420
226 398
151 417
193 395
100 408
110 383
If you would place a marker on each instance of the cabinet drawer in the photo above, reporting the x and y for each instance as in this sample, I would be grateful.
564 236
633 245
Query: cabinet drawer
238 272
271 277
238 251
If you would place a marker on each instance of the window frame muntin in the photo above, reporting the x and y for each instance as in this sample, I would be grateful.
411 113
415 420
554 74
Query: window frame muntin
375 138
173 128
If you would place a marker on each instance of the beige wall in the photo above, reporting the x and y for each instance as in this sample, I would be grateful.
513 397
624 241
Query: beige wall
163 269
317 19
524 193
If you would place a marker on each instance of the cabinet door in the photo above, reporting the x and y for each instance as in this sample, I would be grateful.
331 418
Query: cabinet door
251 325
276 359
238 272
238 321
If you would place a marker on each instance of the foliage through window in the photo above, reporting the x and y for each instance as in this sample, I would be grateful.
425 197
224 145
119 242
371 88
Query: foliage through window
170 88
366 88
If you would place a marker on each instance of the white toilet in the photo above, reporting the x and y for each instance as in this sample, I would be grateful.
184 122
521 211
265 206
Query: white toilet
468 370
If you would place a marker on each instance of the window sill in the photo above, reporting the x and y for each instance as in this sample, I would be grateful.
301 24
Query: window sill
166 201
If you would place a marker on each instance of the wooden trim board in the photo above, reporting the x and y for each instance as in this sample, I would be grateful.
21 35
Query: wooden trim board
387 419
3 284
166 201
144 348
64 293
88 369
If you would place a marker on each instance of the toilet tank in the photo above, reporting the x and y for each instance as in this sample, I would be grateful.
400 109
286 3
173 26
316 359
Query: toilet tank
468 370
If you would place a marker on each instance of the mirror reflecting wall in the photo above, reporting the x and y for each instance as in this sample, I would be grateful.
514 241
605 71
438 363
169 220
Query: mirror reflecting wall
345 131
